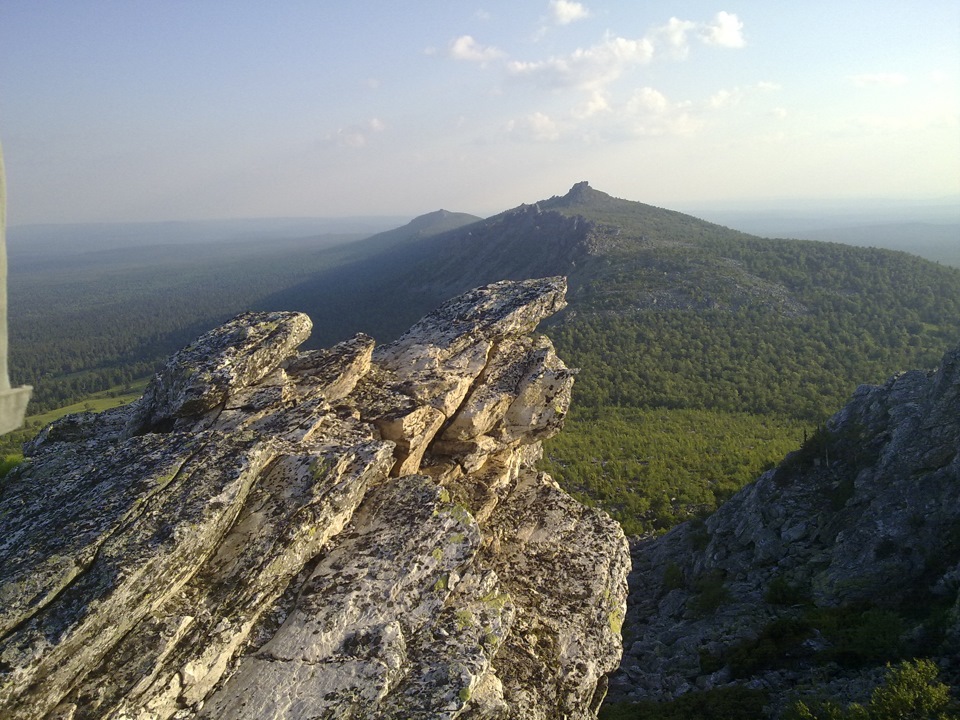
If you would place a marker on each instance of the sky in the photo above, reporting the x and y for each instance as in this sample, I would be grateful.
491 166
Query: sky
143 110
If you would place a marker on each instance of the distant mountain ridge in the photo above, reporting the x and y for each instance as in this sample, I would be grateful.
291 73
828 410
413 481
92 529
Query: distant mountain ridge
937 242
665 309
422 226
28 241
531 240
931 231
643 280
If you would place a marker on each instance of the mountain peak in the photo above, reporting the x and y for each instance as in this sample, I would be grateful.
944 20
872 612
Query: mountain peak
432 223
579 191
580 195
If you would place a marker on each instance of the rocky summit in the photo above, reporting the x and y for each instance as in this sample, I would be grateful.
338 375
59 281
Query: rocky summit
357 532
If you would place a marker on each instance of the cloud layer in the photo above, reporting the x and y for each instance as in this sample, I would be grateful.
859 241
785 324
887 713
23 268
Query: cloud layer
600 64
586 69
595 80
726 30
468 49
564 12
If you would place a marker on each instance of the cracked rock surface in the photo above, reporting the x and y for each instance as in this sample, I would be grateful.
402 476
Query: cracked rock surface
356 532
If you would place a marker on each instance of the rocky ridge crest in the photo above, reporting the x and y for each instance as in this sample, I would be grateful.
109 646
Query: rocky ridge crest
356 532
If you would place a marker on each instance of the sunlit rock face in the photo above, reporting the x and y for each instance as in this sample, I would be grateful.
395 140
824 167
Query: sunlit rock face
356 532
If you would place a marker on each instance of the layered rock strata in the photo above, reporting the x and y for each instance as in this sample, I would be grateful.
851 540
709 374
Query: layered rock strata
357 532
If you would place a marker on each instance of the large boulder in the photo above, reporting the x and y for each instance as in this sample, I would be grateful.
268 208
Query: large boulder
350 533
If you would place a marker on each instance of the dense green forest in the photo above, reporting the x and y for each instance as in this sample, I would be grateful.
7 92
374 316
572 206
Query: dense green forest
85 322
763 326
111 316
652 468
690 336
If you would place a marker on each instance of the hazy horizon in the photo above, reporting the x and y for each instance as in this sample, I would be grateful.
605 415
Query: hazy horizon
882 209
930 229
185 111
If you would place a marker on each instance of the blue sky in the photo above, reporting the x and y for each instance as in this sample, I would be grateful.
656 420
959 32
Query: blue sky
192 109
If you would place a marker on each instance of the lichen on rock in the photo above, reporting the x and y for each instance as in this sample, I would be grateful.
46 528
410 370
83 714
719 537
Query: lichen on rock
353 532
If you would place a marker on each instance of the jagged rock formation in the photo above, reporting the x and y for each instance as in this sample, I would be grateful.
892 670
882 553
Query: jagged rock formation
354 533
862 525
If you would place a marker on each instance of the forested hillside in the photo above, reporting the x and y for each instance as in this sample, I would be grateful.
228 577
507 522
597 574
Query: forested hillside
108 317
677 324
756 325
668 312
100 313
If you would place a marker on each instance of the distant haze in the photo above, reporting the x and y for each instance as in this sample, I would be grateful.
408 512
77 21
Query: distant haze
129 112
31 240
931 229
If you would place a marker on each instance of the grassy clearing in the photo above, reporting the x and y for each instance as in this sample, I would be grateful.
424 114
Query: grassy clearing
11 443
98 402
651 469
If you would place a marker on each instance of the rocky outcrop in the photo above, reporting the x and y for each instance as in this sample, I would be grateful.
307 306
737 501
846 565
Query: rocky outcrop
844 556
356 532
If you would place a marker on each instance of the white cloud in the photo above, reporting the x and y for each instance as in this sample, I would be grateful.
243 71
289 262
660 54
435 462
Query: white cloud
726 30
886 79
779 113
725 98
377 125
597 103
564 12
599 65
586 69
466 48
646 113
650 112
675 33
601 112
536 126
647 100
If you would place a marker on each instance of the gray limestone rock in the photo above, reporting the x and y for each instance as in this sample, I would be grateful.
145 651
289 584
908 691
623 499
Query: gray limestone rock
343 533
224 360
